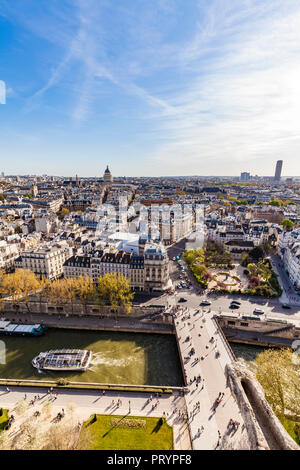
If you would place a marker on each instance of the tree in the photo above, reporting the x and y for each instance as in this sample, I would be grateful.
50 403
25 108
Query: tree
61 291
64 211
67 436
199 270
84 289
20 285
279 377
257 253
276 203
194 256
38 434
115 289
287 224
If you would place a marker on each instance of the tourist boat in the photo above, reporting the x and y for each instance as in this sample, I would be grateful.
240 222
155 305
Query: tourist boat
8 328
63 360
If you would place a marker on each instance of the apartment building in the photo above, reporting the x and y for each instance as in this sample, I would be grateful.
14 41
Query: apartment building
156 266
146 273
46 260
165 222
8 253
289 251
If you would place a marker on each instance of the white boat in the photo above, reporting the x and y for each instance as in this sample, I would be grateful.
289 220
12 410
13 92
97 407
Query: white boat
63 360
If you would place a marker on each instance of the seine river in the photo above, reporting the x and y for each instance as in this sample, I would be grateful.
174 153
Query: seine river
123 358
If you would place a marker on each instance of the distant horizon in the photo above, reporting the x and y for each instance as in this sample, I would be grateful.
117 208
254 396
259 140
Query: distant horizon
144 176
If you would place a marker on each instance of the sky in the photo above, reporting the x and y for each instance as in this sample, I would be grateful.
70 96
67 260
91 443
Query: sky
150 88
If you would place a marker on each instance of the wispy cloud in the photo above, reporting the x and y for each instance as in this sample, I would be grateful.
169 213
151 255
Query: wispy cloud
215 82
241 108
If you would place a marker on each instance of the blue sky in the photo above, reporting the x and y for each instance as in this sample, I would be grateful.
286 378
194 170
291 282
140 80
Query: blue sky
160 87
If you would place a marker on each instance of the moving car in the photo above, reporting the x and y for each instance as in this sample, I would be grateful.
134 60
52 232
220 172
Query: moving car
286 306
182 299
236 302
258 311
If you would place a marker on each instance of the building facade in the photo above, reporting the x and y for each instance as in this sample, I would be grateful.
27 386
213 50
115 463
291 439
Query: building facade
147 272
46 261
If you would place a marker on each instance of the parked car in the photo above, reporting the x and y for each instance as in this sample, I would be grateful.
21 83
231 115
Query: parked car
236 302
205 302
258 311
233 306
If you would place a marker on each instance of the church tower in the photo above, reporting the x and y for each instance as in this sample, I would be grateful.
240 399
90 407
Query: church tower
107 176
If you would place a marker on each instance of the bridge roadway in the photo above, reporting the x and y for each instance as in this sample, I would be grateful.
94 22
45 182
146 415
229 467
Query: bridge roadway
200 328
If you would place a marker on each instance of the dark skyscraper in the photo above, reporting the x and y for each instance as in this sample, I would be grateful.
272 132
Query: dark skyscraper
278 170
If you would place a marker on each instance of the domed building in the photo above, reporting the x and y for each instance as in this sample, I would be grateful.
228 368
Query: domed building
107 176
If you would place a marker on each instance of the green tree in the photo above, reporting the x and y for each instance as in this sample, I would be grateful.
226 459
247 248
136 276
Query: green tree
276 203
194 256
287 224
257 253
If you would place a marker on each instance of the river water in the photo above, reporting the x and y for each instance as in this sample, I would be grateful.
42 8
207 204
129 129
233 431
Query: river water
246 352
123 358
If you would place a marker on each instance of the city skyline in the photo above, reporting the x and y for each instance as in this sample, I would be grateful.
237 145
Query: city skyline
167 89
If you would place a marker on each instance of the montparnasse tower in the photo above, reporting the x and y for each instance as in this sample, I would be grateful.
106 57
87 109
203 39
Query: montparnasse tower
107 176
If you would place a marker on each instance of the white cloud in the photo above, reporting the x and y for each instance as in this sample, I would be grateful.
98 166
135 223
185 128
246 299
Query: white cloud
242 110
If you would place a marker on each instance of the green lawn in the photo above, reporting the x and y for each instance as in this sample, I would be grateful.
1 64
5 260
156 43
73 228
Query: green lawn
110 432
3 419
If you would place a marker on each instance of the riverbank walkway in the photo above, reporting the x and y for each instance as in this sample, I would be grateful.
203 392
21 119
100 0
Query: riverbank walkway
209 423
87 402
89 322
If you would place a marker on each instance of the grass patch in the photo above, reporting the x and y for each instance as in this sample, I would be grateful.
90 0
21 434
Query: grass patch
291 427
120 433
3 418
